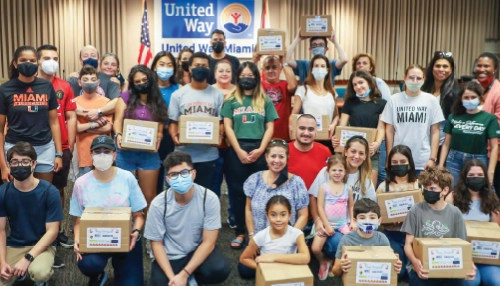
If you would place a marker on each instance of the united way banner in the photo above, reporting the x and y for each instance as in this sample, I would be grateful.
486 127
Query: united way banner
180 24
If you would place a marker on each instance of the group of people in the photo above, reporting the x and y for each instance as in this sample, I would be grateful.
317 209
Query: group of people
288 193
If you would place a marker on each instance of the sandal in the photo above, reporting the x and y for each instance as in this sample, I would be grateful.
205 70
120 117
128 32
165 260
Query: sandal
323 272
239 243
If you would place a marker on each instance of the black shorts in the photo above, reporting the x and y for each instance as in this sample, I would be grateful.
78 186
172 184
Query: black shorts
60 179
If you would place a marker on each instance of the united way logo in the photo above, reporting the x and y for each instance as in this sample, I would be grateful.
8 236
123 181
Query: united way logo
236 18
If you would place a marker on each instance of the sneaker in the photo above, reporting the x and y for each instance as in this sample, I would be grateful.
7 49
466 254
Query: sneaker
64 241
99 280
58 262
41 284
230 225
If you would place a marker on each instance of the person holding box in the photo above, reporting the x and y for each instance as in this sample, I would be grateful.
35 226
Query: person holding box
108 186
279 242
477 201
433 218
367 214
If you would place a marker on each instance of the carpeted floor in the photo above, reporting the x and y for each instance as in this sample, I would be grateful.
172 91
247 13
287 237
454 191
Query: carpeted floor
70 275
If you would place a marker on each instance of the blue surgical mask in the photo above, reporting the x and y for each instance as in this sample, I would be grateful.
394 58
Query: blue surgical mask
319 73
91 62
181 185
164 73
471 104
318 51
365 95
367 227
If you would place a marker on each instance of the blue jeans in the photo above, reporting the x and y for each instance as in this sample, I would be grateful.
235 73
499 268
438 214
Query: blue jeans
397 240
331 244
456 160
381 163
246 272
416 281
137 160
128 266
486 275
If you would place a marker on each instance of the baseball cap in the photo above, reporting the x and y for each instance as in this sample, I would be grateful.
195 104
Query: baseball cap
103 141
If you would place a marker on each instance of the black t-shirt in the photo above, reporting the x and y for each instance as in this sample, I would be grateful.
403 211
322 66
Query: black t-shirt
363 113
28 212
106 87
27 106
235 63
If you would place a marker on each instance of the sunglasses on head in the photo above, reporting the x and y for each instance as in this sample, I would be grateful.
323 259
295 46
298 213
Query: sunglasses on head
278 141
443 54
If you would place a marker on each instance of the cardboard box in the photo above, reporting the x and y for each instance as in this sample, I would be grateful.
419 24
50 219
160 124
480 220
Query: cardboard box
105 229
370 265
280 274
394 206
444 257
139 135
322 124
271 42
343 133
316 26
485 240
199 129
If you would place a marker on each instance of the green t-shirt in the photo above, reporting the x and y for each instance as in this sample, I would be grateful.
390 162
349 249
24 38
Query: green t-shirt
470 132
248 124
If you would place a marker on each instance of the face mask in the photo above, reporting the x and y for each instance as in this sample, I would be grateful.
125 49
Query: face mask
27 69
471 104
247 83
475 184
91 62
319 73
367 227
102 162
431 197
181 185
50 67
89 87
164 73
21 173
318 51
185 66
365 95
486 82
218 46
400 170
143 88
200 74
413 86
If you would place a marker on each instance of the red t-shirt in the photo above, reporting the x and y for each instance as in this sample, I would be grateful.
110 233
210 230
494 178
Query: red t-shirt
282 103
308 164
66 101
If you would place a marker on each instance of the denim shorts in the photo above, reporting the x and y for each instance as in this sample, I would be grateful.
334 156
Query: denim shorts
456 159
137 160
46 154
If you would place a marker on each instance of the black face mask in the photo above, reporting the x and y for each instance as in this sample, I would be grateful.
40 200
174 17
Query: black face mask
431 197
143 88
27 69
185 66
218 46
21 173
400 170
247 83
200 74
475 183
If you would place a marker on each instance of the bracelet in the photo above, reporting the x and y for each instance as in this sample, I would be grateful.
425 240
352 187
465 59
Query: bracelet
184 269
91 124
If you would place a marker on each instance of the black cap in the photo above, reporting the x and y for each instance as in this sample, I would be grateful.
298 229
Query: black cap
103 141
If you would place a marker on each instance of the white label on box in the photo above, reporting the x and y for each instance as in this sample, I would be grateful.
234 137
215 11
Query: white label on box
139 135
319 122
270 43
445 258
199 130
373 273
290 284
399 207
316 25
347 134
104 237
485 249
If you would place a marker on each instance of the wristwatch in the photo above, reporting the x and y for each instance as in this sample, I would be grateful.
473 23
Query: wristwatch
118 133
59 154
139 231
433 159
99 112
29 257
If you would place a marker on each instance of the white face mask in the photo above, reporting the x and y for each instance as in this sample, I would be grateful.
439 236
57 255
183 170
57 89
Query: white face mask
102 161
319 73
413 86
50 67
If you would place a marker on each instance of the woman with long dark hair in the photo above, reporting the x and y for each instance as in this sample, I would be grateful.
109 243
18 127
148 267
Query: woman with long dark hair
142 101
182 76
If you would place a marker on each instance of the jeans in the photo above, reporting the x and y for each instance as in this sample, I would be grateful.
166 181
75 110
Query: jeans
246 272
166 147
397 240
205 173
381 163
214 270
486 275
456 160
128 266
131 160
416 281
219 171
331 245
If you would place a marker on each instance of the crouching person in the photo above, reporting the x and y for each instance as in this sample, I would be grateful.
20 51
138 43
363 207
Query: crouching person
34 210
183 223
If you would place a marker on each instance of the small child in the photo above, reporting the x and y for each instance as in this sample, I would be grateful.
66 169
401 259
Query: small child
433 218
335 203
278 242
367 215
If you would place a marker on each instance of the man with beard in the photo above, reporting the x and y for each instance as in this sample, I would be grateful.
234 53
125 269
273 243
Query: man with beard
218 43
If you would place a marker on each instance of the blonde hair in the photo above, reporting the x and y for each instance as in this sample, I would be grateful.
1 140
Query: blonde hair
365 170
258 95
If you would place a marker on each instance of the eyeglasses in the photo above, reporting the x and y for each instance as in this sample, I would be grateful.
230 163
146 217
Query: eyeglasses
184 173
278 141
318 46
274 67
443 54
23 162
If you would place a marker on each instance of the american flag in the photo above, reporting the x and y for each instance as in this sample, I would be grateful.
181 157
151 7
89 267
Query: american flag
145 50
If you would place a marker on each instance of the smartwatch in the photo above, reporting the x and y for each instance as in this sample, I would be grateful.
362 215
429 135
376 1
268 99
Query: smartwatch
99 112
29 257
59 154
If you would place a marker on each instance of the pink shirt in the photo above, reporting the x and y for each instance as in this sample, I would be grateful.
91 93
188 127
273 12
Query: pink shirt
492 103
